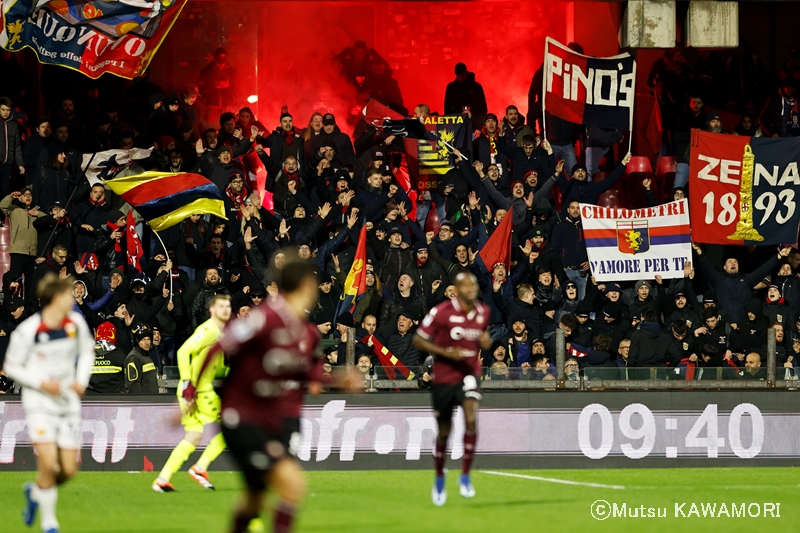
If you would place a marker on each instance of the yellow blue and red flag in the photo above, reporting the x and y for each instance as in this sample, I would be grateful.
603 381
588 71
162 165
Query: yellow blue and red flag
164 199
355 286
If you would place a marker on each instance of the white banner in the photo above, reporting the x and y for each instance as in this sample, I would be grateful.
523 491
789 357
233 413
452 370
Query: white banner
634 244
106 165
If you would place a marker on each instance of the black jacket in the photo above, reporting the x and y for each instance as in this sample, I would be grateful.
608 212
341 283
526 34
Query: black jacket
468 93
140 373
402 348
10 143
733 290
107 373
649 346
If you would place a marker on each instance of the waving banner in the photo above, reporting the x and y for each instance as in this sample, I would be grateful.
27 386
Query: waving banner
428 157
595 91
106 165
91 36
744 190
633 244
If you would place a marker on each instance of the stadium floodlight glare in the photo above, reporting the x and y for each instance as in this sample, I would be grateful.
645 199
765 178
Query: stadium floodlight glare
252 99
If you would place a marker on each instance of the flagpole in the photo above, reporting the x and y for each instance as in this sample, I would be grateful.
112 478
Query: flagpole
544 85
164 246
630 120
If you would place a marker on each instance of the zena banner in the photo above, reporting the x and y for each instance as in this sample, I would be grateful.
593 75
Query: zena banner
633 244
595 91
90 36
744 190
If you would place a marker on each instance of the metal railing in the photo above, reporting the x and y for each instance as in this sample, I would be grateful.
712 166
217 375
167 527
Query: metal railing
591 378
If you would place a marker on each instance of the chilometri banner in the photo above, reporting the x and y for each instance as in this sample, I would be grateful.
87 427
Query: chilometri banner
744 190
595 91
632 244
91 36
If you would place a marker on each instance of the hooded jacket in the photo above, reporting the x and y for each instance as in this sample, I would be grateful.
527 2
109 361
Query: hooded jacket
649 346
10 142
468 93
341 143
24 236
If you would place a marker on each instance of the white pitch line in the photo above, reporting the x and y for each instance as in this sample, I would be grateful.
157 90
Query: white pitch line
555 480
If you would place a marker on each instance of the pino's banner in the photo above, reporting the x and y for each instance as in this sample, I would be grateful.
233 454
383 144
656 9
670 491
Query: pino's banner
633 244
744 190
595 91
431 158
91 36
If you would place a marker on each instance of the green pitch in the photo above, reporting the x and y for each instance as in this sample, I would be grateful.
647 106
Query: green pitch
399 501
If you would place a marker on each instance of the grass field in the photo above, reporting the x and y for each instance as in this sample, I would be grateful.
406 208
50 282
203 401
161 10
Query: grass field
399 501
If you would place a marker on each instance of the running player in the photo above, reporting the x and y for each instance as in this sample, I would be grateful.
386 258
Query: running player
51 355
454 333
272 356
198 401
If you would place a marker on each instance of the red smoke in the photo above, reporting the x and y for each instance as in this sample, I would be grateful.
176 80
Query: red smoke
284 50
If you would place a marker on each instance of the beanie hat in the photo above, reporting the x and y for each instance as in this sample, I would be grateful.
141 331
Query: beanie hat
53 149
578 166
613 310
640 284
611 287
490 116
584 308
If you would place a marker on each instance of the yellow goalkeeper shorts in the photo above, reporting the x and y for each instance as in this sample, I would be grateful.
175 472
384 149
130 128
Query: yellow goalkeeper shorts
204 411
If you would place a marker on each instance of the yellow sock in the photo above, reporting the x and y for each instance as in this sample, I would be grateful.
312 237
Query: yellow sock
215 447
176 459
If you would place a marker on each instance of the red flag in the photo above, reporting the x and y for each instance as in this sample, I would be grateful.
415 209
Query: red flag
134 245
390 363
375 113
498 248
355 286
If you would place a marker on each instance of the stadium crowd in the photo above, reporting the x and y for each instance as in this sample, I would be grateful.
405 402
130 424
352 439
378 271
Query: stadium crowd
325 184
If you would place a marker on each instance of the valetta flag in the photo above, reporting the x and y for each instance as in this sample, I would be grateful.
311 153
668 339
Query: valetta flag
632 244
595 91
430 155
90 36
744 190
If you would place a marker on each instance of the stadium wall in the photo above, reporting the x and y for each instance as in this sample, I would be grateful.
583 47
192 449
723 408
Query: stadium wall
539 429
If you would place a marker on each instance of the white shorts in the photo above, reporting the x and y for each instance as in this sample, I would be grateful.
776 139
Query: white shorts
65 430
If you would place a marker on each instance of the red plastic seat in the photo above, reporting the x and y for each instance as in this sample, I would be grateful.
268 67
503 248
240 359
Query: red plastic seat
634 189
639 163
558 197
612 198
666 164
432 222
599 176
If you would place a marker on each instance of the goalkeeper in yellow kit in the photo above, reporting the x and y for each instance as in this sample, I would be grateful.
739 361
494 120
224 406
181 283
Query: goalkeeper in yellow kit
205 409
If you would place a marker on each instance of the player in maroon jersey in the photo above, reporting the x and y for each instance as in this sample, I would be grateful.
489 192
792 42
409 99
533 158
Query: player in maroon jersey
454 332
271 356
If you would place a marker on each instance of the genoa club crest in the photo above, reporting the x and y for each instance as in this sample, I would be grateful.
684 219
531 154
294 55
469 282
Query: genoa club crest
633 237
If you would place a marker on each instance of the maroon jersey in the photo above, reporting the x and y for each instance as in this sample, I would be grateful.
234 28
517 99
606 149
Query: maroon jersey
448 325
271 358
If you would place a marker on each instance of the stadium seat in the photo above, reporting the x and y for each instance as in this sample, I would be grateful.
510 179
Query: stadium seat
432 223
635 190
558 196
665 175
612 198
639 163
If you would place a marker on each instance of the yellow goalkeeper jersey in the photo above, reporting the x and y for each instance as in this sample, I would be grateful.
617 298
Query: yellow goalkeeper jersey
193 353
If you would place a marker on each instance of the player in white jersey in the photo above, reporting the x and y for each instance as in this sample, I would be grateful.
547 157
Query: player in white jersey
51 356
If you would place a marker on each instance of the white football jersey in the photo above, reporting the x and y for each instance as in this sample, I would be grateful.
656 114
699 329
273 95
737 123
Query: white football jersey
36 354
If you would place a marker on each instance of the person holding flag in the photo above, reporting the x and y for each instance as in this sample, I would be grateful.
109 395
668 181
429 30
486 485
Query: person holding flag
355 285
